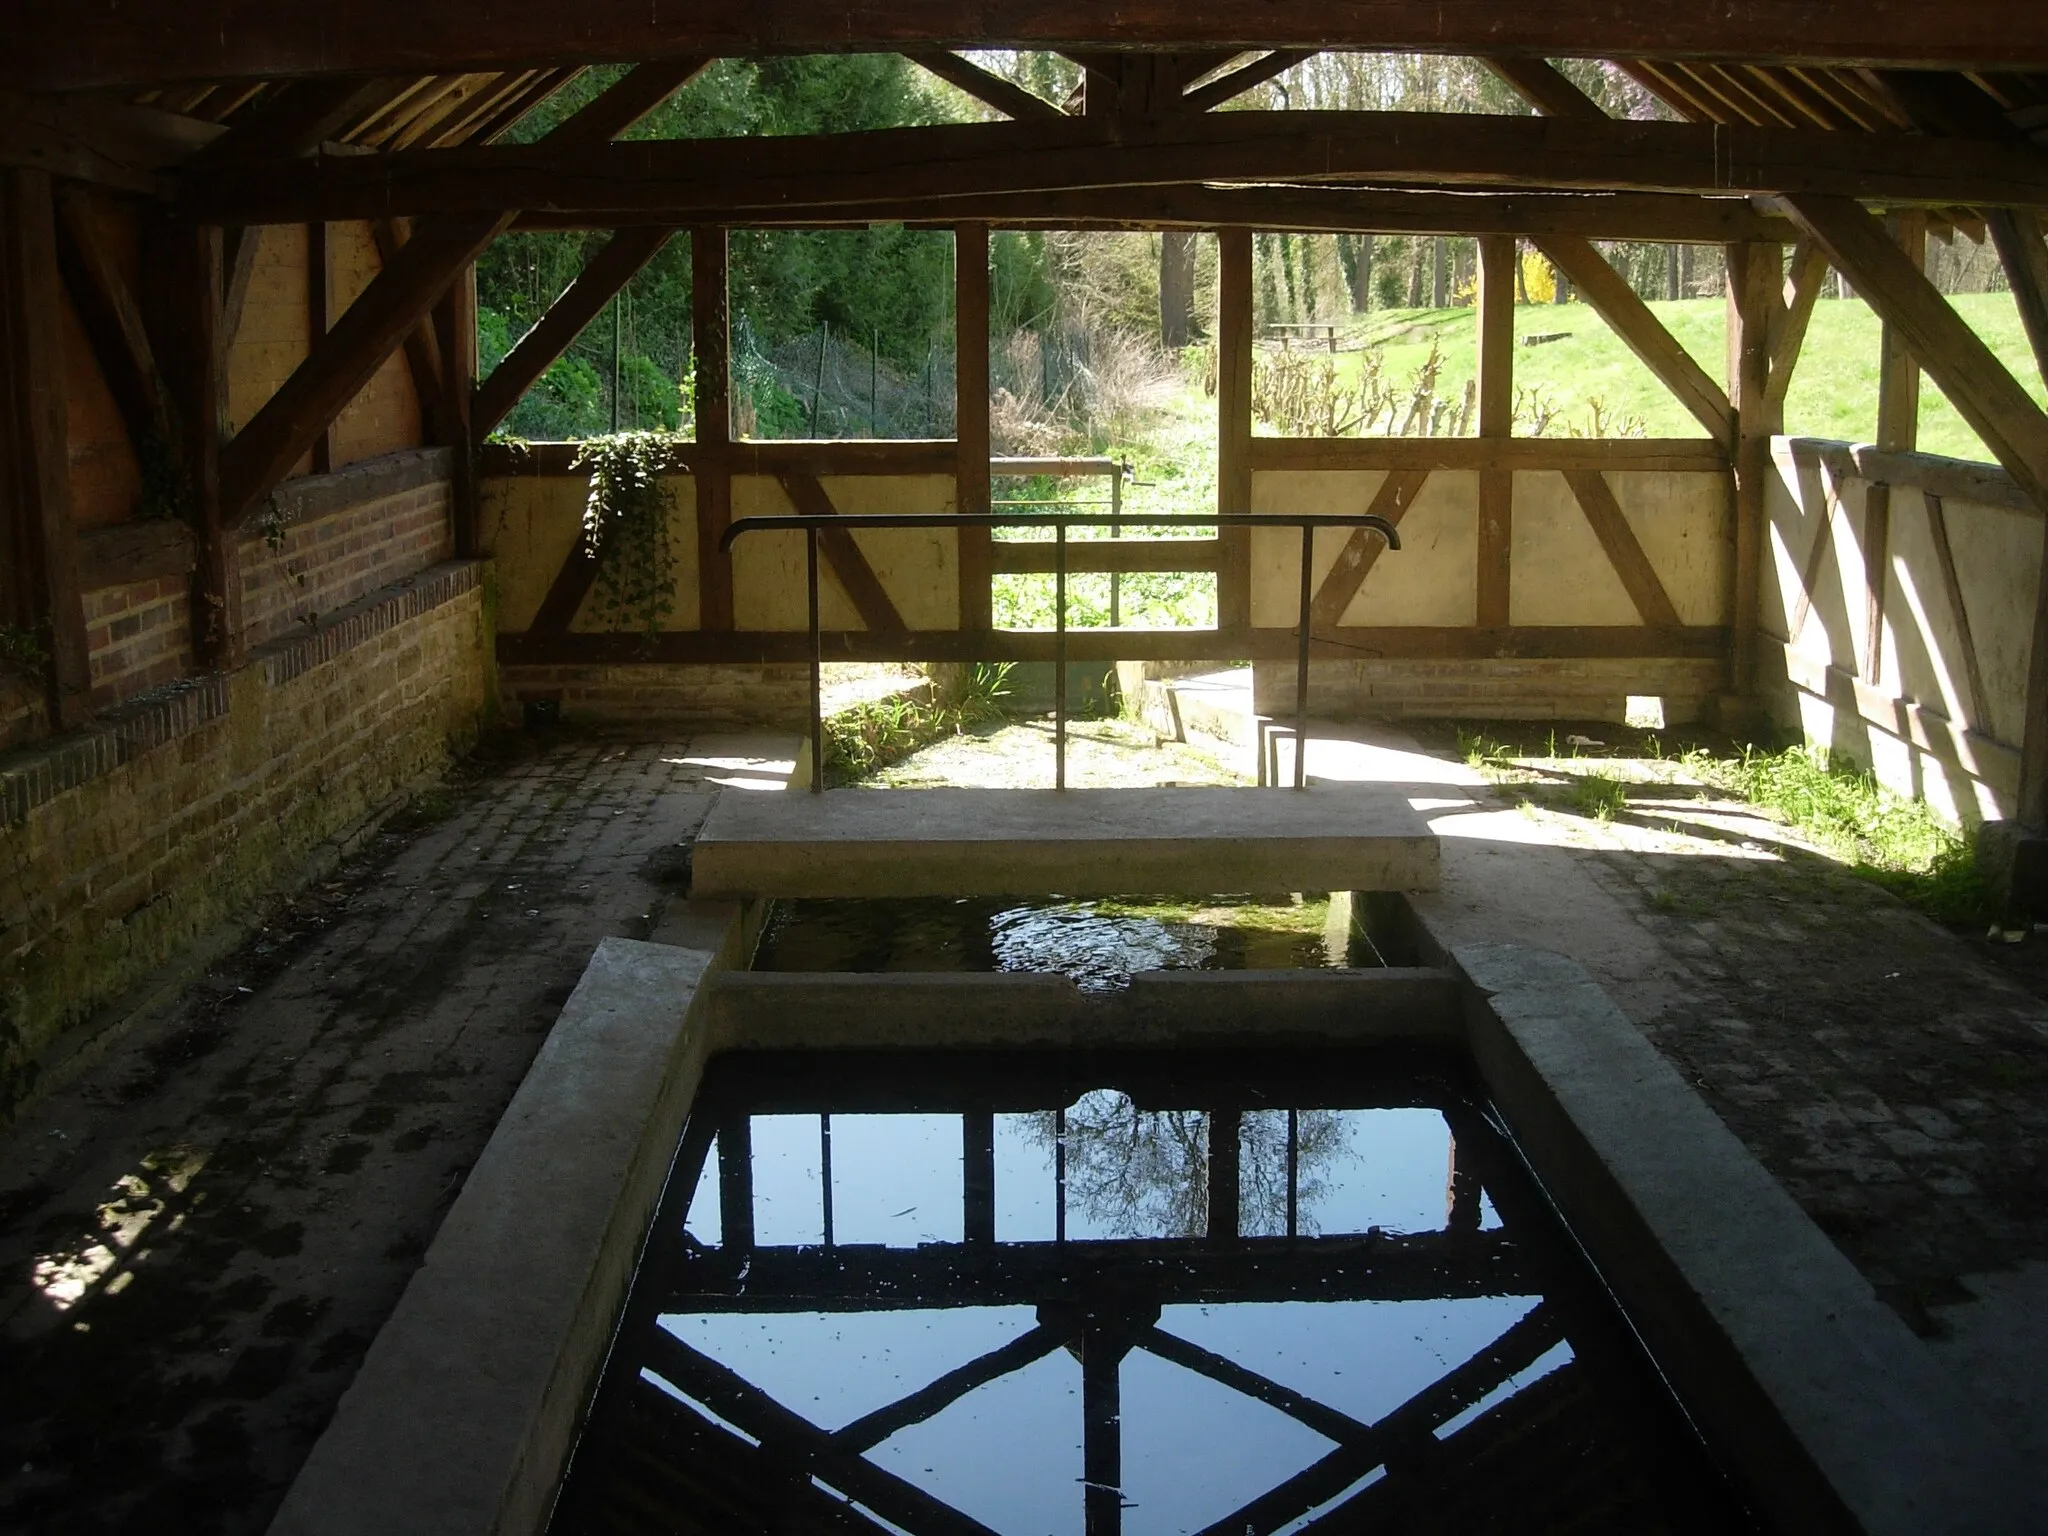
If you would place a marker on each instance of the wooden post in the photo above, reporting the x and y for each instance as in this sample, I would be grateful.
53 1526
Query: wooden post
1755 289
35 465
455 325
970 419
711 328
1496 420
190 263
319 312
1898 430
1234 427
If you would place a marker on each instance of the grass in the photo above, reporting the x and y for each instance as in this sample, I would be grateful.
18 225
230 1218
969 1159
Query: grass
1897 843
877 733
1834 391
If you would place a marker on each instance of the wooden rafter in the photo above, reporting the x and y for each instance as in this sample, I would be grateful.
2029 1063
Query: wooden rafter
991 90
395 301
296 119
240 248
1807 271
422 348
1475 151
857 578
1643 333
633 98
398 299
55 46
113 323
556 331
1624 550
1968 372
1246 77
1545 88
2017 234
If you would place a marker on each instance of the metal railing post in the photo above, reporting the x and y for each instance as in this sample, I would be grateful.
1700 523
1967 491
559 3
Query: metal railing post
817 667
1059 656
1116 578
1308 548
1307 522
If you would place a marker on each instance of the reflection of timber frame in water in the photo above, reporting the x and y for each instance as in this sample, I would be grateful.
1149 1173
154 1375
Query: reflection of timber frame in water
1597 1432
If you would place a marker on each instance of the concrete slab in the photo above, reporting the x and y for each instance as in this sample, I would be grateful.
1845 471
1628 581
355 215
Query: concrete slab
1838 1417
1093 842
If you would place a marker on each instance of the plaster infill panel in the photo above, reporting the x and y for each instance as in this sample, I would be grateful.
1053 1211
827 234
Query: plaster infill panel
919 569
1686 525
1998 565
1431 580
529 525
1560 572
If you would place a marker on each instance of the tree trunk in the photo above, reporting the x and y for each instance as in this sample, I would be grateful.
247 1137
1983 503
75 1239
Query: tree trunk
1440 275
1671 272
1415 274
1176 287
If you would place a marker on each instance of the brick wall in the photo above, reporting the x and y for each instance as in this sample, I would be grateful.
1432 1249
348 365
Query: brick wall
139 635
710 697
328 560
187 810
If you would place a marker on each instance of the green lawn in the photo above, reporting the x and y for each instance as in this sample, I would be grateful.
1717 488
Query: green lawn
1834 392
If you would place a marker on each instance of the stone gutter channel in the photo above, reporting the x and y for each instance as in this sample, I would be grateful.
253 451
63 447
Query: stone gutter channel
464 1413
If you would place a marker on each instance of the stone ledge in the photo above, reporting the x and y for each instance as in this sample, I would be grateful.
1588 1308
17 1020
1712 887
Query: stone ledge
1960 479
36 774
363 620
391 474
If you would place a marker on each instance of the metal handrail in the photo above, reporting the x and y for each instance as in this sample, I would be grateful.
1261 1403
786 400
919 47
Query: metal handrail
808 524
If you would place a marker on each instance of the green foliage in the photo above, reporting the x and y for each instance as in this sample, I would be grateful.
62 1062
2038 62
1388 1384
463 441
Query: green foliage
878 733
1485 754
1598 795
787 283
1897 843
21 650
626 521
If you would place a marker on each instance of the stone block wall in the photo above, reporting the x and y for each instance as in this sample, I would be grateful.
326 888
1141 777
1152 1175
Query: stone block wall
188 809
1497 688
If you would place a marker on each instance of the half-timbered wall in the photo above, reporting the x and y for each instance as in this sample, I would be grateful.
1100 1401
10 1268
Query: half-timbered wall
168 795
1903 639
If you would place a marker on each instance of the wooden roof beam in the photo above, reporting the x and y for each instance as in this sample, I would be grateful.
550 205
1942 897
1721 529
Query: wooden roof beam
1293 209
1479 151
62 45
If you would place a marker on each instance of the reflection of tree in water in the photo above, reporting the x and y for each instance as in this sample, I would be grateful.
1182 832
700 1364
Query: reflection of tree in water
1145 1173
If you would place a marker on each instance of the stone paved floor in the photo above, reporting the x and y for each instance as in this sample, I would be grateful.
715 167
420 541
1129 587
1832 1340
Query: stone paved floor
231 1200
200 1236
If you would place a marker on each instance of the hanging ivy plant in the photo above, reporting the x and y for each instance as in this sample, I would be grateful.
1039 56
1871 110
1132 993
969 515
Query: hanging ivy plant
626 525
